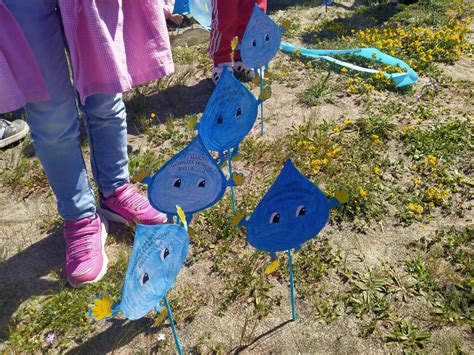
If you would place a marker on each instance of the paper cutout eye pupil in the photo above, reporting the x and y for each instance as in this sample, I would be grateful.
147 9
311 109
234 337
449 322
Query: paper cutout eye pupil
254 43
267 37
202 183
145 278
165 253
219 119
177 183
300 211
239 112
275 218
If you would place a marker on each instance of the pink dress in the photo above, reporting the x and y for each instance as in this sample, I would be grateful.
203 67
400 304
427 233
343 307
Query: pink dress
114 45
20 76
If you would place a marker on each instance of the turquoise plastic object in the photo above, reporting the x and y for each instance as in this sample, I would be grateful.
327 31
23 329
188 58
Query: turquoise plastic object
229 115
293 211
191 179
401 79
261 40
201 10
158 254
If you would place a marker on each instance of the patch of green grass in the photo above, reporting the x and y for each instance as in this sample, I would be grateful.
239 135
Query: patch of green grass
140 160
52 222
243 278
186 304
23 175
341 157
449 289
407 334
440 157
184 54
62 312
311 263
448 141
318 91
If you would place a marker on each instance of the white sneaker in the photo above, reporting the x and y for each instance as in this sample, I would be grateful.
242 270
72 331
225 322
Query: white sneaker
10 132
242 72
217 71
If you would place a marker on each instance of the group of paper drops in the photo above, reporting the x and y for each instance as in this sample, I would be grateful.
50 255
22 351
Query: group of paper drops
293 210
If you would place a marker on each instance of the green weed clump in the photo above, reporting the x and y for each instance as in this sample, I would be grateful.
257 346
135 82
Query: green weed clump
63 312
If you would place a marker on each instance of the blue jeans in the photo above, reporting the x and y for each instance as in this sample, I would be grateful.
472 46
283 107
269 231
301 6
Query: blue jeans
55 124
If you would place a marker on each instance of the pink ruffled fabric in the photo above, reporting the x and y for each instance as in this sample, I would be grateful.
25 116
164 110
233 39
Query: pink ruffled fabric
20 76
116 44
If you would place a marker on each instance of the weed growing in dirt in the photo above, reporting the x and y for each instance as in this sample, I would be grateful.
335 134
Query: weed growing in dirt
61 312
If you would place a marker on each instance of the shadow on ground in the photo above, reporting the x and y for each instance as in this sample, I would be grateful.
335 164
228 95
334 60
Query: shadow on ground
119 334
23 275
176 101
262 336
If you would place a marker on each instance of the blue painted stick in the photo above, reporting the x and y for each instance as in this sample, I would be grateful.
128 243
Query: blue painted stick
229 162
173 328
260 73
292 287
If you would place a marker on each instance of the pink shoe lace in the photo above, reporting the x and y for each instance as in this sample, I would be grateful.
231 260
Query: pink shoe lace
128 205
85 256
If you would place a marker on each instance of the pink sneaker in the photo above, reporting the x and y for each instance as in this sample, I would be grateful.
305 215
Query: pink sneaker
127 205
86 260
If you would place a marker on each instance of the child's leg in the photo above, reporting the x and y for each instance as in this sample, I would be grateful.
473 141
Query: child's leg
245 12
54 124
105 120
223 29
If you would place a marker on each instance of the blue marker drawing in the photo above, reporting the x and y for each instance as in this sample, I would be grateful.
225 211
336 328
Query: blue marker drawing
158 254
261 40
293 211
191 179
229 115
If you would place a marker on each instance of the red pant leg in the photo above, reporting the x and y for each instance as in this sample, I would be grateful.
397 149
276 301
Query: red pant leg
223 29
245 12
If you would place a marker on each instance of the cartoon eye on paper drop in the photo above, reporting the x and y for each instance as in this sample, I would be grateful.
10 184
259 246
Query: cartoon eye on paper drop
191 179
158 254
261 40
293 211
228 117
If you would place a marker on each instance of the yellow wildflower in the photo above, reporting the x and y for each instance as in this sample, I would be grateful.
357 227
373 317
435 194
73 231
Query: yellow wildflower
415 208
407 128
377 170
336 129
362 193
347 122
334 152
416 181
375 138
368 87
431 160
152 115
344 70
